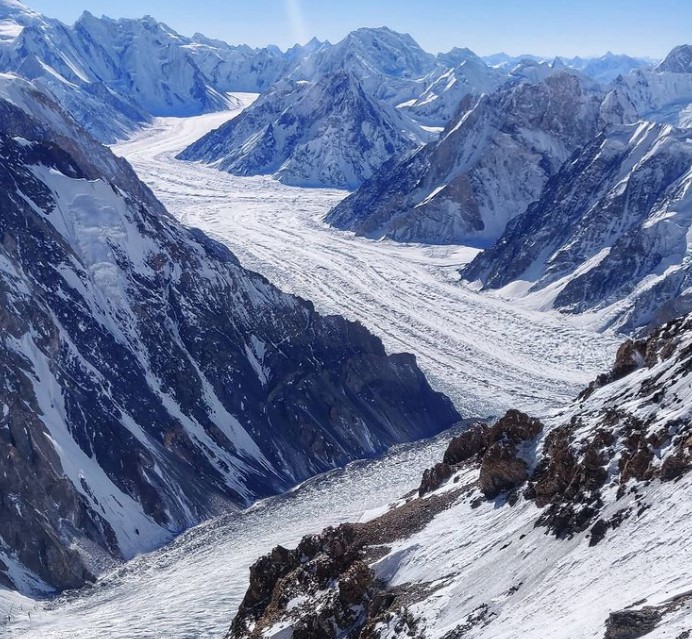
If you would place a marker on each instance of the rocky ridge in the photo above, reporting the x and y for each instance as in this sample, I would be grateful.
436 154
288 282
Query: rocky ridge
583 476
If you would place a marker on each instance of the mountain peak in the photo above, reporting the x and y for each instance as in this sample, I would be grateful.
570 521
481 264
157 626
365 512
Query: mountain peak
679 60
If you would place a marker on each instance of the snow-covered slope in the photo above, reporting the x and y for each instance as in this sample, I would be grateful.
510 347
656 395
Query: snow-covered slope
111 75
663 94
491 162
327 133
148 381
445 90
576 527
609 233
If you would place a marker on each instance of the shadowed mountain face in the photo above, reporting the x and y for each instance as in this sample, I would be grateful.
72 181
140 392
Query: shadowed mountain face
147 380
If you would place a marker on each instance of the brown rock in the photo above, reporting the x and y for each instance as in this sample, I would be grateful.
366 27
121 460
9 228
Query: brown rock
467 445
501 470
434 477
674 466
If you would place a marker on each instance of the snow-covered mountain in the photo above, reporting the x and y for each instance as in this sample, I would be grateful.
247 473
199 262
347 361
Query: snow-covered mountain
611 229
242 68
147 380
679 60
490 163
334 119
111 75
607 68
390 66
663 94
466 74
328 133
572 526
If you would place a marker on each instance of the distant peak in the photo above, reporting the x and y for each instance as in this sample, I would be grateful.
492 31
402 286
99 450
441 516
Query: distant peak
679 60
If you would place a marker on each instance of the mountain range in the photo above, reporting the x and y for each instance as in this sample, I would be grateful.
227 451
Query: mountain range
578 194
149 381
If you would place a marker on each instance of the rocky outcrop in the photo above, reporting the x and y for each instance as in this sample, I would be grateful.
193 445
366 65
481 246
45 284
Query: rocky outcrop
639 622
498 449
325 587
631 624
503 466
468 445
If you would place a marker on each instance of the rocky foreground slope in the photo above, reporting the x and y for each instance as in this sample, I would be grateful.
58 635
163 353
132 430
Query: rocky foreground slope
574 525
148 381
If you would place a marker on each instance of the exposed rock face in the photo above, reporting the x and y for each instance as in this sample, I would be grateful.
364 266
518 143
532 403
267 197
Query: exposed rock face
325 587
632 624
468 445
490 163
502 465
147 381
605 230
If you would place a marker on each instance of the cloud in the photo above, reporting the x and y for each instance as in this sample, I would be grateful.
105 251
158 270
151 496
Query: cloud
296 19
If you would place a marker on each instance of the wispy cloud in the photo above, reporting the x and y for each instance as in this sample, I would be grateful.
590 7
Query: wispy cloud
296 19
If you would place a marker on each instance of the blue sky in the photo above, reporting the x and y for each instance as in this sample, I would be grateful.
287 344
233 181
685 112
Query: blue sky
564 27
